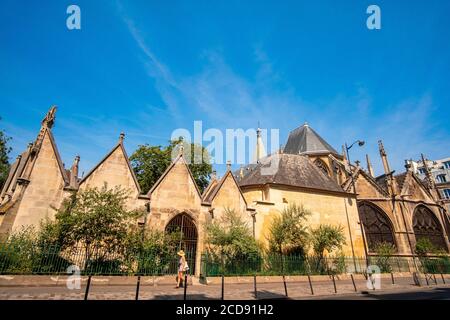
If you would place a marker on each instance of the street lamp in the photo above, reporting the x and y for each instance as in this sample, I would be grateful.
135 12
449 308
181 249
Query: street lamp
347 148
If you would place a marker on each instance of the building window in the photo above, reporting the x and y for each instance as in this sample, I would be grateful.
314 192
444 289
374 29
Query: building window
422 171
377 226
426 225
322 166
441 178
446 193
447 164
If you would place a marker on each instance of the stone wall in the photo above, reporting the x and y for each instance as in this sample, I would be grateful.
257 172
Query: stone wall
114 171
176 193
45 190
229 196
325 209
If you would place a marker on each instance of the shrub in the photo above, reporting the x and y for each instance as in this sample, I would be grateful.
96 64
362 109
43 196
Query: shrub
384 251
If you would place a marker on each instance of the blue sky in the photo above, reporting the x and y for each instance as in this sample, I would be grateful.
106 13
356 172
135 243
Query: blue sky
149 67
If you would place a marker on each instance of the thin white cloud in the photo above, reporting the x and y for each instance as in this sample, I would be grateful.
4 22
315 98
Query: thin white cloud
229 100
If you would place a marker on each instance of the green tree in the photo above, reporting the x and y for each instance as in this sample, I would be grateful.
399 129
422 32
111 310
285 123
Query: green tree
326 238
230 242
150 162
94 218
288 233
4 159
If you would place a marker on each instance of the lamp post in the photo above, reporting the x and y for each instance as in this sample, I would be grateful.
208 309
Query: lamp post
347 148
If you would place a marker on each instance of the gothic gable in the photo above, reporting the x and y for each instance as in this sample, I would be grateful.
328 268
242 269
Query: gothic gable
176 188
114 170
45 189
366 187
415 189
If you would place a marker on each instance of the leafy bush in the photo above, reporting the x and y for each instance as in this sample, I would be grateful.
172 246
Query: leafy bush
17 253
288 233
424 247
230 244
326 238
384 251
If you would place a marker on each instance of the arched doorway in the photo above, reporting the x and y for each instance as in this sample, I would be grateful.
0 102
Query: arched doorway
188 236
377 226
426 225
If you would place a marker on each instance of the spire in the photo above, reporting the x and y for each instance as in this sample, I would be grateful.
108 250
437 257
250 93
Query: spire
260 151
369 167
344 154
74 172
121 137
228 165
213 175
387 170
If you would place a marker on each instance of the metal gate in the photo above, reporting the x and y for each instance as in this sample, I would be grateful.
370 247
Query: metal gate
185 225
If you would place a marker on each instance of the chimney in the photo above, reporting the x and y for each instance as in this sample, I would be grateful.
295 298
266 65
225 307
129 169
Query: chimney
228 165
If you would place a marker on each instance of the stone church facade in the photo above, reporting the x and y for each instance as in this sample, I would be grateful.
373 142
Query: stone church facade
396 208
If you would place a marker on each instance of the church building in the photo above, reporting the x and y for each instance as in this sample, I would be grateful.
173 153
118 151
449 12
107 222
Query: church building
396 208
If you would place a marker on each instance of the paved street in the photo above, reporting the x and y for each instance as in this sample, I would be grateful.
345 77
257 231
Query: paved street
403 288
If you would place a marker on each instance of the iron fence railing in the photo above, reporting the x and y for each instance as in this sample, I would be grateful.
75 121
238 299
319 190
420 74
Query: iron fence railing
33 259
90 261
311 265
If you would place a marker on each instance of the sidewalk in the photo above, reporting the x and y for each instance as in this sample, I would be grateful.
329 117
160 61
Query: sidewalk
235 288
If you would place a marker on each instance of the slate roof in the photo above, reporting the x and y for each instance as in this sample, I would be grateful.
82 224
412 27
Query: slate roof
293 170
304 140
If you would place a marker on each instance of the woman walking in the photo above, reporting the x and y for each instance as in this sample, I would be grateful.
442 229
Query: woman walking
182 267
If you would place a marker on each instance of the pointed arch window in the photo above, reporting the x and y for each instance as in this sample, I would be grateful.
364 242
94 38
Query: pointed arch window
426 225
322 166
377 226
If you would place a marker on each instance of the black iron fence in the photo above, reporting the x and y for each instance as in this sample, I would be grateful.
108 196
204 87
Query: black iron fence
90 261
311 265
31 259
